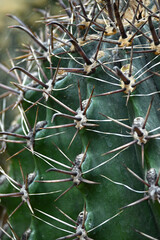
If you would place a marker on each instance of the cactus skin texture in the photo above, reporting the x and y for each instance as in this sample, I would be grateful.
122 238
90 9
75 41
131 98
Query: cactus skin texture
78 90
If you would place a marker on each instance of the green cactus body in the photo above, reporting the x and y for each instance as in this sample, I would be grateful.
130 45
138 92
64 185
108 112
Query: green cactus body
72 129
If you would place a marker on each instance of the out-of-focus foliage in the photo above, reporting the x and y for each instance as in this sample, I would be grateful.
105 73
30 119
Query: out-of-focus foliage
11 40
24 10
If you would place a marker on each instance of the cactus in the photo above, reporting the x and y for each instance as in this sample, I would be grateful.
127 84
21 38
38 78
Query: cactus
83 151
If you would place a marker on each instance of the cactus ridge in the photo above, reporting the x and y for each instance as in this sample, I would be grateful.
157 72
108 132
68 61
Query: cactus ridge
78 86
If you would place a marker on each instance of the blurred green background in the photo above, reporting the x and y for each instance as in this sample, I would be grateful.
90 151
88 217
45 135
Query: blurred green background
24 9
12 39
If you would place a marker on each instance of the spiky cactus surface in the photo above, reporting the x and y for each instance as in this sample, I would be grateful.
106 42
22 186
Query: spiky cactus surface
83 151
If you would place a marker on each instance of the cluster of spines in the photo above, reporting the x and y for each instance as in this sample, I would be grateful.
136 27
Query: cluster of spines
89 65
